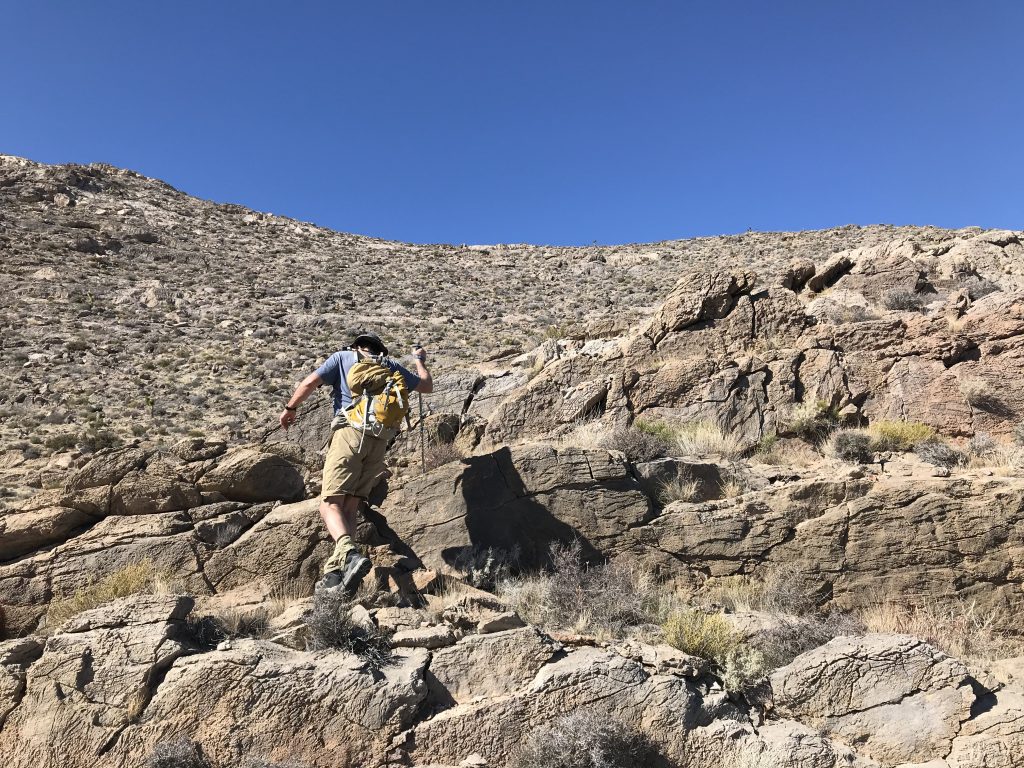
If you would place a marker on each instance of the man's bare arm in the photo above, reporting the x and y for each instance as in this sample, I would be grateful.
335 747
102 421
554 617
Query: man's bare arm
306 387
419 359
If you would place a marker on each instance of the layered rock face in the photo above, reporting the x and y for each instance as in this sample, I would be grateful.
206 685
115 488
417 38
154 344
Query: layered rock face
870 325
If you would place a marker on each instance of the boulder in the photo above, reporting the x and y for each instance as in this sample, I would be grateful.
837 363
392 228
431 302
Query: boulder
895 697
259 700
92 680
158 488
24 532
247 474
466 670
525 499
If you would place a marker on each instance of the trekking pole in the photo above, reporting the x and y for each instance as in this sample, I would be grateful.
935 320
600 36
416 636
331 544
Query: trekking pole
423 439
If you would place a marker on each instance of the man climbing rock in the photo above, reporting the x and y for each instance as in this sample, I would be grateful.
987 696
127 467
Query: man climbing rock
370 398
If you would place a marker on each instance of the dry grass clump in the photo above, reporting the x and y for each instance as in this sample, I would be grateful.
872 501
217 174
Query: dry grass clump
438 453
960 628
134 579
607 601
331 627
852 445
779 591
699 633
678 488
898 435
811 420
979 394
786 453
585 739
702 439
209 629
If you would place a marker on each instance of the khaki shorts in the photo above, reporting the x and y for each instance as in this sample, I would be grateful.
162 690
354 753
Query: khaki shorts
349 471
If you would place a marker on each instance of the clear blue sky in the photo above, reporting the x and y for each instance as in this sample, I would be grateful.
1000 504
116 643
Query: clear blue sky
537 121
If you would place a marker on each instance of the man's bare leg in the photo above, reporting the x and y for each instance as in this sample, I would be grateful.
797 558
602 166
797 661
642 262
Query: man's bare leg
339 515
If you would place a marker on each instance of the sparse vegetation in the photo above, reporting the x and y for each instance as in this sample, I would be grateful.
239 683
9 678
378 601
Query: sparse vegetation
961 628
941 454
702 439
898 436
210 629
178 753
585 739
901 299
134 579
331 627
438 453
979 394
852 445
700 633
605 600
486 568
811 420
637 442
678 488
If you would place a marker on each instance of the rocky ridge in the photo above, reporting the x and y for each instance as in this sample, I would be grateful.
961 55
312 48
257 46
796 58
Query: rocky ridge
210 313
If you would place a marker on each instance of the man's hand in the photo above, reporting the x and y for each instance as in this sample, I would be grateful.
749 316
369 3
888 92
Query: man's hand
287 418
419 358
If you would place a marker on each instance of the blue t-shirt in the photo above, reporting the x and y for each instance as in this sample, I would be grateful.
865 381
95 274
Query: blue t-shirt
335 370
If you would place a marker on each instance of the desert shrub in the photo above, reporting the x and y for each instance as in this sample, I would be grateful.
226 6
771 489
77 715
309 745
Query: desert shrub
743 666
853 445
979 394
1018 433
210 629
811 420
134 579
485 568
439 453
838 314
179 753
678 488
901 299
982 445
585 739
61 442
698 633
978 287
701 438
606 600
898 435
331 626
657 428
781 590
940 454
638 444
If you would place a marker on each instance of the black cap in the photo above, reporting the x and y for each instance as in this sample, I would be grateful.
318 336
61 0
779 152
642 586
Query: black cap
371 340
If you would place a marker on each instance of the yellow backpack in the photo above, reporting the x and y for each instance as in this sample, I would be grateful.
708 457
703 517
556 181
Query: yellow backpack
380 398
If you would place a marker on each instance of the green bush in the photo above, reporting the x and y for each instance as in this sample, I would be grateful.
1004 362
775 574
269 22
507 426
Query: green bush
697 633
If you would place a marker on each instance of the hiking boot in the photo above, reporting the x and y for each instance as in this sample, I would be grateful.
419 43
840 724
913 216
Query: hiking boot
331 580
356 567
